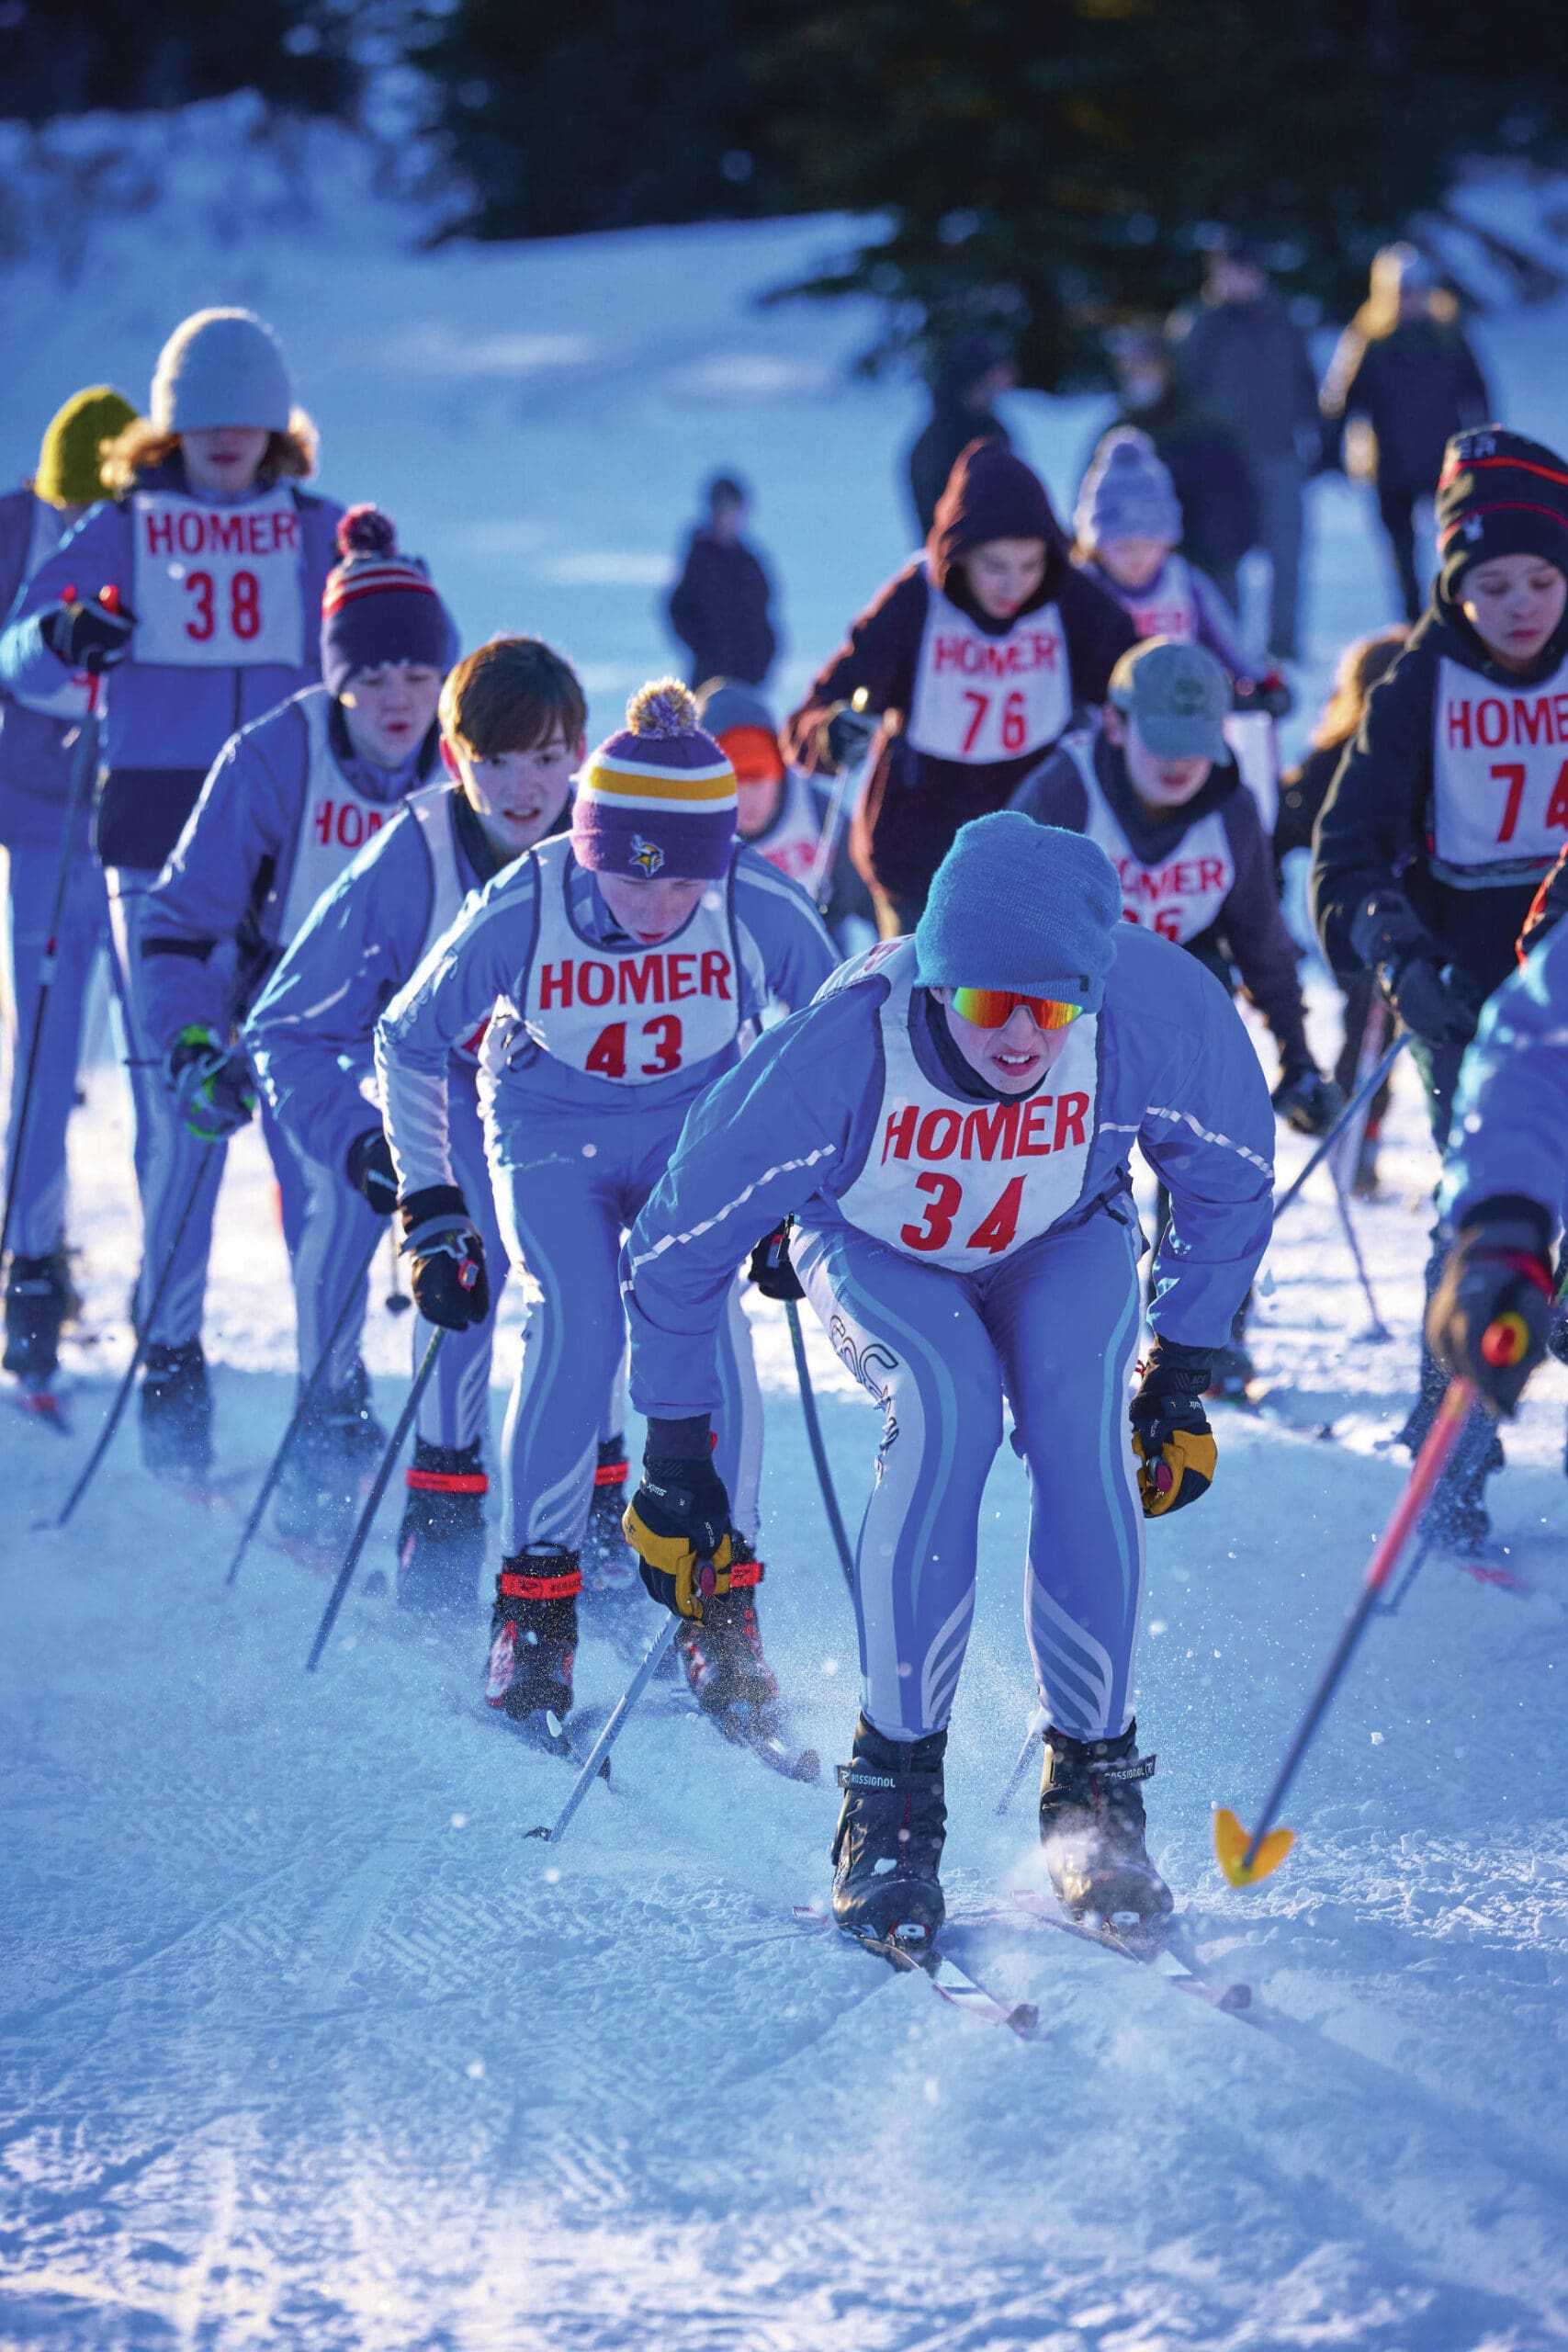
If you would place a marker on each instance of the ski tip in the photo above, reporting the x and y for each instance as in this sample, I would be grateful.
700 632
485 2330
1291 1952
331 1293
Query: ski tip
1024 2018
807 1765
1233 1844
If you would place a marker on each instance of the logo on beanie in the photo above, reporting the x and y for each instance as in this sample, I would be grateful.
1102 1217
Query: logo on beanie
1189 698
1471 526
646 857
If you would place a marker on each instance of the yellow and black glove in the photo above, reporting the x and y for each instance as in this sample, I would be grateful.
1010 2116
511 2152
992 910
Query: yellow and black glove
1172 1436
678 1524
1491 1316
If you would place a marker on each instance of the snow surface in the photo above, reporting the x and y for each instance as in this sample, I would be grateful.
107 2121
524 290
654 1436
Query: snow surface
303 2043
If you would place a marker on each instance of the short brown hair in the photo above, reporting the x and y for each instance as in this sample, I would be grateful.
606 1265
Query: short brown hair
142 448
509 695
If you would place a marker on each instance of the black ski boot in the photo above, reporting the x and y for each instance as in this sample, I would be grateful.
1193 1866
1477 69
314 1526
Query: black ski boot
328 1469
609 1564
38 1301
1091 1827
888 1846
533 1637
177 1411
441 1543
727 1671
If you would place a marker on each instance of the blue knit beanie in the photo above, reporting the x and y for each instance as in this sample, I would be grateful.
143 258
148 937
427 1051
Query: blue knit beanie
1017 905
1127 494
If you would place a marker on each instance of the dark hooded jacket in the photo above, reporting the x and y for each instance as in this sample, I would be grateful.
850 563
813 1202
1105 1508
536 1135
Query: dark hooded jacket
720 610
1374 833
913 803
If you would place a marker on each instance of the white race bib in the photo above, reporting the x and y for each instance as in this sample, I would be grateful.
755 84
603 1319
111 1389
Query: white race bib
792 841
961 1184
630 1014
980 698
218 586
335 824
1167 607
1499 777
1180 896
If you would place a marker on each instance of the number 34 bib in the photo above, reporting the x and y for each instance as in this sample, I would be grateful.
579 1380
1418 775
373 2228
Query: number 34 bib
218 586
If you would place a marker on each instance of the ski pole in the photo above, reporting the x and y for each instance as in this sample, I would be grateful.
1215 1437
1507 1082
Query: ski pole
398 1300
598 1755
307 1397
1374 1032
84 767
819 1450
361 1535
1380 1330
1363 1094
819 883
143 1342
1036 1726
1244 1858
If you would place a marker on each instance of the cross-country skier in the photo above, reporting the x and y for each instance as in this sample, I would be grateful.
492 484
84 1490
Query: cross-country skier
289 802
1452 804
512 717
626 966
950 1124
972 658
1156 786
1502 1190
36 748
781 812
220 558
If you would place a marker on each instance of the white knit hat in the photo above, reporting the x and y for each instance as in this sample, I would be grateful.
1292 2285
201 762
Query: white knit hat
222 367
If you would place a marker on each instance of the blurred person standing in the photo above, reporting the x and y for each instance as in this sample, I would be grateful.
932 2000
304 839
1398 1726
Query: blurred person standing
965 389
720 607
1402 381
1240 354
1207 472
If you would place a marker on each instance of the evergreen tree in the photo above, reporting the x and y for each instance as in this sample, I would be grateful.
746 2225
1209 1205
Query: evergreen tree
61 57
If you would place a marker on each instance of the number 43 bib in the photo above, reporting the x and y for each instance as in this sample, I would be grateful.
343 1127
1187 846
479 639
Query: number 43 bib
218 586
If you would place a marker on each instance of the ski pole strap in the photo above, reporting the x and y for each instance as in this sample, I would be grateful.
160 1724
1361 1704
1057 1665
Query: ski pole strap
447 1481
515 1586
612 1474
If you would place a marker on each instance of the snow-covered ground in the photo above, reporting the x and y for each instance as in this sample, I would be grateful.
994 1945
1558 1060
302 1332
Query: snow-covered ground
303 2044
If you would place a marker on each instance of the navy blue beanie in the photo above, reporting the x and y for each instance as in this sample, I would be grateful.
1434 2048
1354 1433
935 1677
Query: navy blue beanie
1017 905
380 606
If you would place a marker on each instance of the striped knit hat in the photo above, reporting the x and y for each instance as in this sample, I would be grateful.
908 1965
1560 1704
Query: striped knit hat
660 797
378 606
1499 494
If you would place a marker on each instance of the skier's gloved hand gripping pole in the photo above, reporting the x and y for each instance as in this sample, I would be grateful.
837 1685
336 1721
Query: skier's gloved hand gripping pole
849 734
84 770
1487 1322
1357 1102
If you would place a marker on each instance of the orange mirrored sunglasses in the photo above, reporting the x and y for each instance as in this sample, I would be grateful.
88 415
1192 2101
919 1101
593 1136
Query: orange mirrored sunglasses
993 1008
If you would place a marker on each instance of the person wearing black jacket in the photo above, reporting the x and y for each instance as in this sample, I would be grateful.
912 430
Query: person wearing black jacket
720 607
973 659
963 392
1451 803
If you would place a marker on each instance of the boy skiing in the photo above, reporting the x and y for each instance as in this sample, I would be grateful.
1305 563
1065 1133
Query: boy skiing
219 560
512 717
625 966
289 802
1452 804
950 1124
784 815
37 751
972 658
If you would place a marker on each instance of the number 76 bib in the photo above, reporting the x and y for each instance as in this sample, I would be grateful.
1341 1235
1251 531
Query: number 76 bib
218 586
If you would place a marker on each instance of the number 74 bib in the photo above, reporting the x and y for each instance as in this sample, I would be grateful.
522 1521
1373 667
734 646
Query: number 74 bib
218 586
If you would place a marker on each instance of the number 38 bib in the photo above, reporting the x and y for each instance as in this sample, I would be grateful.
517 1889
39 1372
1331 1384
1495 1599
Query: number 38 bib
978 698
631 1014
960 1184
218 586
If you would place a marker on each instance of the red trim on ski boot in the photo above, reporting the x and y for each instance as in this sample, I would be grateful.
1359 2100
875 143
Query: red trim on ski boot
447 1481
534 1640
612 1474
514 1586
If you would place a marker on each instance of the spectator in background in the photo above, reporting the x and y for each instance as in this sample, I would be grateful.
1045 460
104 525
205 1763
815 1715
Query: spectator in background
1213 489
1402 380
719 606
971 379
1241 355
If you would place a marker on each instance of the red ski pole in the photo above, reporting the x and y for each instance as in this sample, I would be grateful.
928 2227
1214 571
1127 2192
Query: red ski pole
1246 1857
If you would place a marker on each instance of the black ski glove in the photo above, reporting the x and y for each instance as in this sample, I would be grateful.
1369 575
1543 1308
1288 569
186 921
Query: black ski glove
678 1524
370 1171
770 1269
88 637
1490 1313
849 735
1270 693
1172 1436
448 1273
212 1083
1434 1000
1306 1101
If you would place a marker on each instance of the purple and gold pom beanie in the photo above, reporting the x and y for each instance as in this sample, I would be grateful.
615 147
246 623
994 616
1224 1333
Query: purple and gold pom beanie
658 798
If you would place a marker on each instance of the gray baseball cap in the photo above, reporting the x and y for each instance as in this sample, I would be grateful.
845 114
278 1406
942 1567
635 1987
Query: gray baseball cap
1179 695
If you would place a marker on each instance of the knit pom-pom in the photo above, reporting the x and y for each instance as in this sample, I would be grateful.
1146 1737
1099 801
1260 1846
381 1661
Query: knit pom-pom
664 707
365 530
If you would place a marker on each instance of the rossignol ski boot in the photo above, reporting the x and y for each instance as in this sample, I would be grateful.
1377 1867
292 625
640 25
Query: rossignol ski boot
1091 1827
887 1847
533 1633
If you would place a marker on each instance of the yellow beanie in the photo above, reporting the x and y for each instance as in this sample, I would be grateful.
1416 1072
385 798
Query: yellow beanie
68 462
